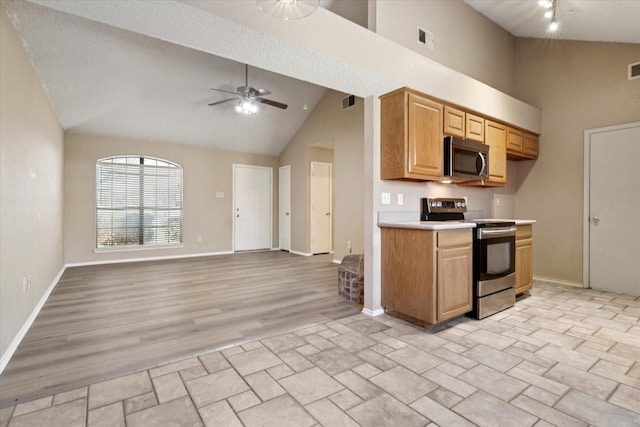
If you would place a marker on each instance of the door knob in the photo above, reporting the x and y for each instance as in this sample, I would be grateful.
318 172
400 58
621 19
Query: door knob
595 220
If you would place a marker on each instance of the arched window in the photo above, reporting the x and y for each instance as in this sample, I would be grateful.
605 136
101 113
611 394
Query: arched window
138 202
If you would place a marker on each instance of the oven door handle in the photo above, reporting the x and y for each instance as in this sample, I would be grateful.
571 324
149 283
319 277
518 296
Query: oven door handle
487 233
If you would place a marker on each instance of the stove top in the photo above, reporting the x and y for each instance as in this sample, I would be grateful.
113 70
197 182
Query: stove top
453 209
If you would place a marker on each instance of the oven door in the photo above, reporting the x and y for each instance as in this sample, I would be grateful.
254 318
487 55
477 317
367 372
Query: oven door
496 252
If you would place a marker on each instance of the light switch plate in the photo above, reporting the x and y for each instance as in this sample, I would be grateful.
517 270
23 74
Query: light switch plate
386 198
219 195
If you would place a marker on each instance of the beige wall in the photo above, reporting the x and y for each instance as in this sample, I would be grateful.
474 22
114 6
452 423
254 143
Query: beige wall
31 187
464 39
578 86
329 124
205 172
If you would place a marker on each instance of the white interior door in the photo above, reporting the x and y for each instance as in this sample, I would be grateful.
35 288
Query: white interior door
284 198
252 195
321 209
614 209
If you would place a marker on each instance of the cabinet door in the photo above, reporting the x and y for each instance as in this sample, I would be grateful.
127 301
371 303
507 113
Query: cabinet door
454 282
524 265
475 128
495 135
454 121
425 138
530 145
515 140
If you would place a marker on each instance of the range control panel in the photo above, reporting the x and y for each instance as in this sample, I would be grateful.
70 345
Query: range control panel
445 205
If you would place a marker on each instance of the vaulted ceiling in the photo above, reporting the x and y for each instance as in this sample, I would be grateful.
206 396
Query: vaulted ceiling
110 81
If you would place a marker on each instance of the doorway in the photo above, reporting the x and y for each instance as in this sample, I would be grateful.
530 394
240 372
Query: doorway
252 207
284 207
611 209
321 208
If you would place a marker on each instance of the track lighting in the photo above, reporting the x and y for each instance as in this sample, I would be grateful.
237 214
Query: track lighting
550 13
288 9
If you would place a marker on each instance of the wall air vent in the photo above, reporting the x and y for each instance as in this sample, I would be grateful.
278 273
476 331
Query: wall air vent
425 37
348 102
634 71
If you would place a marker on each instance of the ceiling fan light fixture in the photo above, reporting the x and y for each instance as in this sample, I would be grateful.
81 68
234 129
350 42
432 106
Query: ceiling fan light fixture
288 10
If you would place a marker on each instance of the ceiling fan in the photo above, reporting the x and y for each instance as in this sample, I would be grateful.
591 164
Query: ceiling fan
247 98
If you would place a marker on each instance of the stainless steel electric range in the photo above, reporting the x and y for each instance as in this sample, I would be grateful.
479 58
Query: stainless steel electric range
494 248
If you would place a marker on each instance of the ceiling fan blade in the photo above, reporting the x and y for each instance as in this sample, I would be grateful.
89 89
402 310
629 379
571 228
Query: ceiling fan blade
225 91
263 92
272 103
222 102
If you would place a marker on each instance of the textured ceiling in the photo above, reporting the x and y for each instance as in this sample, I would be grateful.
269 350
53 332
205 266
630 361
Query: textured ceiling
108 81
123 68
589 20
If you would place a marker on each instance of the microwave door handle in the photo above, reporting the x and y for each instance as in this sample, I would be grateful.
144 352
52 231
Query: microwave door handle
484 163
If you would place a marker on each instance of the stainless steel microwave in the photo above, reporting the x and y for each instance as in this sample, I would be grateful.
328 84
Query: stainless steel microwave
465 160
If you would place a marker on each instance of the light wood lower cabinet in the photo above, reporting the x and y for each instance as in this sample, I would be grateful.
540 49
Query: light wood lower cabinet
524 258
427 275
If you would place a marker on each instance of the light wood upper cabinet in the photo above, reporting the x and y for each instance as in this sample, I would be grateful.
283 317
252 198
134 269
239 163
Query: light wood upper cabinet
427 275
463 124
515 140
411 140
530 146
474 127
524 258
454 121
521 145
495 136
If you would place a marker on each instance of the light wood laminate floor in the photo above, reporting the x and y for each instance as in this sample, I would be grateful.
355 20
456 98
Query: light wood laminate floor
103 321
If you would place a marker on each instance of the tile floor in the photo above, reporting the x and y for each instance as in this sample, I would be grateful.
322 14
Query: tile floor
563 356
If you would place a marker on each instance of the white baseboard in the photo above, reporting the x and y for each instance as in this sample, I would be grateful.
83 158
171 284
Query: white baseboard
558 281
4 360
300 253
155 258
373 313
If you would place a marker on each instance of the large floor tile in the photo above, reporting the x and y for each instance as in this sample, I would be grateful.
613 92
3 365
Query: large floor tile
70 414
111 391
586 382
487 411
329 414
253 361
214 387
282 411
439 414
403 384
494 382
335 360
385 411
498 360
311 385
178 413
595 411
415 359
626 397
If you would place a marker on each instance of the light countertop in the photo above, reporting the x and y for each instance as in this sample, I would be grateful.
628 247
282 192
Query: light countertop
411 220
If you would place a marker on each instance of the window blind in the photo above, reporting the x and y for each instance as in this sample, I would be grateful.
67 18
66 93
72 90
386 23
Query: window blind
138 202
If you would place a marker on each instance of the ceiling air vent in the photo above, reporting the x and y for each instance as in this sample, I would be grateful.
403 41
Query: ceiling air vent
348 102
634 71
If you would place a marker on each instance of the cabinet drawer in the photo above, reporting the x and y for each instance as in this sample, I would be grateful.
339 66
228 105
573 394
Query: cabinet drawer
524 232
454 238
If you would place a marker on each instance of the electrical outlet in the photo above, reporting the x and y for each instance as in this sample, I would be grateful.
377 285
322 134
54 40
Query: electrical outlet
400 199
386 198
199 238
24 285
348 244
